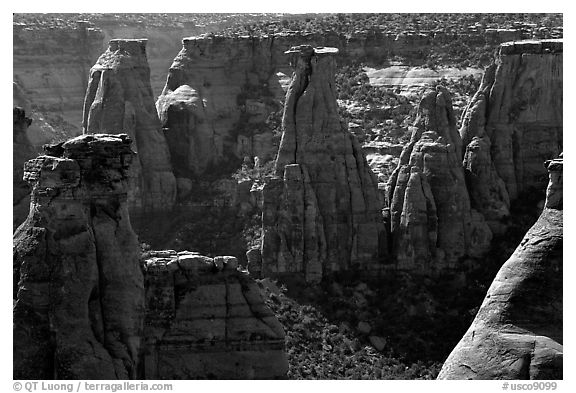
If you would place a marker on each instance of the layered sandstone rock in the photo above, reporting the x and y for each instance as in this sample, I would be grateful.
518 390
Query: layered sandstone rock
119 100
217 98
513 123
206 319
321 212
22 151
52 64
517 333
79 295
432 223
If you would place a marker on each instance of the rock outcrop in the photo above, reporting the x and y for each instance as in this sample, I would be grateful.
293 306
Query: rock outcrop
431 221
79 294
321 212
513 123
119 100
22 151
517 333
206 319
218 96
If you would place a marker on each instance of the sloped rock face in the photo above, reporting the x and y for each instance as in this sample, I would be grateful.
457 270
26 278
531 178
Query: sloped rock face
432 223
119 100
22 151
79 295
517 333
321 213
513 123
206 319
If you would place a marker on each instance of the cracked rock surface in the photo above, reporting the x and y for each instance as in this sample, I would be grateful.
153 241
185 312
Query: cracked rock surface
207 320
79 294
517 333
321 211
432 222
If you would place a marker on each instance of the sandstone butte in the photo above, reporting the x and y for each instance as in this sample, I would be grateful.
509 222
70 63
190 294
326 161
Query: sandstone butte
512 124
119 99
86 308
517 333
321 212
431 220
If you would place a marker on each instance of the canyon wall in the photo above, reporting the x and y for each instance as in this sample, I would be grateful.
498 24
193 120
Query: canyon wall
431 220
79 294
517 333
207 320
119 99
513 123
321 212
52 64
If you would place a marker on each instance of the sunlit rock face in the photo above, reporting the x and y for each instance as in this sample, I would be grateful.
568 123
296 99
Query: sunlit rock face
513 123
119 100
517 333
321 211
432 223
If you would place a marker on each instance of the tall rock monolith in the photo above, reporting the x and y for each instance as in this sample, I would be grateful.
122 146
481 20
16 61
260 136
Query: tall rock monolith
119 99
432 224
78 284
321 212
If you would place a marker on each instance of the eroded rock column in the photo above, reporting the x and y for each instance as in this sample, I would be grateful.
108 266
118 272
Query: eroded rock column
119 99
321 211
432 223
79 295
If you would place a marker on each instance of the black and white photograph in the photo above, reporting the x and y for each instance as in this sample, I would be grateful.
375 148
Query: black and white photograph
286 196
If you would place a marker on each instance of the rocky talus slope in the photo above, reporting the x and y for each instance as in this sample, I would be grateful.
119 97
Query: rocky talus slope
119 100
207 319
517 333
22 151
431 220
79 293
513 123
321 212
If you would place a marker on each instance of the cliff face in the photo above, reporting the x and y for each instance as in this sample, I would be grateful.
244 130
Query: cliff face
119 99
431 220
22 151
52 65
321 213
513 123
217 98
78 285
206 319
517 333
